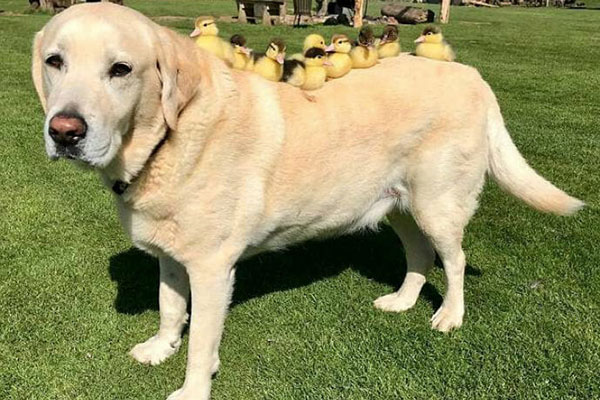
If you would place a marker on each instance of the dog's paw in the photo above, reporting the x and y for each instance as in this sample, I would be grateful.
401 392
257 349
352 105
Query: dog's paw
395 302
447 318
176 395
154 350
183 394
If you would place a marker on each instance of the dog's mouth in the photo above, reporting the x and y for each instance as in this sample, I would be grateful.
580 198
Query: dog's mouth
71 153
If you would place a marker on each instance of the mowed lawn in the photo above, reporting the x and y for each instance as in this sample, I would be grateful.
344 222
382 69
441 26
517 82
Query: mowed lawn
75 297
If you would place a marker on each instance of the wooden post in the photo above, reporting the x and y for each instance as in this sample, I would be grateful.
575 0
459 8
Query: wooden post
358 13
242 13
266 17
282 12
445 11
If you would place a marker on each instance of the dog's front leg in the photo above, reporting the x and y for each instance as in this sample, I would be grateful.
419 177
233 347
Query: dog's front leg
211 282
174 291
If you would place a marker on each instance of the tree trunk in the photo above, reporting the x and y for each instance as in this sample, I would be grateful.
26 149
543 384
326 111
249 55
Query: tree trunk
407 14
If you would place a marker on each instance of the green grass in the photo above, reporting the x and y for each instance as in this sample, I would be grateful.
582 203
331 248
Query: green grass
74 298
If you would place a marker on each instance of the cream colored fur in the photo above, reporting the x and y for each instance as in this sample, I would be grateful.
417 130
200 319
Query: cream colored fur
251 165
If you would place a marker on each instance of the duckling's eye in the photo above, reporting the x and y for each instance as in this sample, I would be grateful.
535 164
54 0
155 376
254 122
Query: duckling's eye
205 25
54 61
119 70
429 33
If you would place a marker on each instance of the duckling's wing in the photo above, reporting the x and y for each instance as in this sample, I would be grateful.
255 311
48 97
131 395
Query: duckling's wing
257 56
289 66
448 52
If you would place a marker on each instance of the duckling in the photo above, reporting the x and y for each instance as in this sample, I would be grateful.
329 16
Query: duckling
242 55
364 54
312 40
389 44
431 44
270 64
207 33
340 60
315 60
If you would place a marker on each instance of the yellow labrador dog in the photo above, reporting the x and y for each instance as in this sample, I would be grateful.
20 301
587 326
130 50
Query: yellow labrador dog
210 165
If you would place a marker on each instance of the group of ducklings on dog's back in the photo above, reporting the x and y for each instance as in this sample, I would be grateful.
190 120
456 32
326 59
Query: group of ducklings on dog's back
318 62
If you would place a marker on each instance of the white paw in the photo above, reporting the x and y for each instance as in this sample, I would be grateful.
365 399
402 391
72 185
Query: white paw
154 350
447 318
176 395
181 394
395 302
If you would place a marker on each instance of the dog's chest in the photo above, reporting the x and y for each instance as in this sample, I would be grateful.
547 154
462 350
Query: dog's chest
147 232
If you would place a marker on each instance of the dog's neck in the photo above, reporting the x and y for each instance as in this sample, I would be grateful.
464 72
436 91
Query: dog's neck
136 151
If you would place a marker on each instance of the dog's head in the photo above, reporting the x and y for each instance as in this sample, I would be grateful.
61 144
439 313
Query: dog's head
100 70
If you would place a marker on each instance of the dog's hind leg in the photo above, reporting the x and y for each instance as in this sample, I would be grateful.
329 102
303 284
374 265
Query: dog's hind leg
442 213
174 291
419 259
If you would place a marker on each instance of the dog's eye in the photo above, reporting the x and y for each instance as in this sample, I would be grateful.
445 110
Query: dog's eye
119 69
55 61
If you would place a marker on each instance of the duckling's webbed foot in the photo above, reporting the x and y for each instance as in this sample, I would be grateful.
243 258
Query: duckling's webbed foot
309 97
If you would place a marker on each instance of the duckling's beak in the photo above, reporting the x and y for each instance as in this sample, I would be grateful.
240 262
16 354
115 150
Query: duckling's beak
327 63
195 33
246 50
280 58
420 39
330 48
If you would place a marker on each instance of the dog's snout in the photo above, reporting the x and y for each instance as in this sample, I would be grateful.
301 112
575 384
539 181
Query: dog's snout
67 129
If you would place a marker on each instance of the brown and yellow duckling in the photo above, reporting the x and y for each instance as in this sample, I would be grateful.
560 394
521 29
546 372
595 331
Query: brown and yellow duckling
339 56
389 43
270 64
309 74
364 54
242 55
315 60
431 44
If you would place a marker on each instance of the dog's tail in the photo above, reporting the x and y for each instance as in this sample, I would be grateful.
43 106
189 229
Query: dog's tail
508 167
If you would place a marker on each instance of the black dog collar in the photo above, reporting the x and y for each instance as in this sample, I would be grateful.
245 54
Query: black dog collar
119 187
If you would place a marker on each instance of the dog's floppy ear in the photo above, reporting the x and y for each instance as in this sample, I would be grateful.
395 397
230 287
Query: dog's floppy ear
36 68
178 74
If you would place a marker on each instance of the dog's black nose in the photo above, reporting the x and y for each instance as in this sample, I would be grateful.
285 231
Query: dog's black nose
67 129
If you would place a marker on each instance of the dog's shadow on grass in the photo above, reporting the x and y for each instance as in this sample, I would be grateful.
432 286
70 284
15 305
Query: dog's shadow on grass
375 255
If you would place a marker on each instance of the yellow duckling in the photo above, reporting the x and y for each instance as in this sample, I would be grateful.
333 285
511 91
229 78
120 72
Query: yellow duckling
206 32
315 60
364 54
242 56
340 60
312 40
270 64
389 44
431 44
